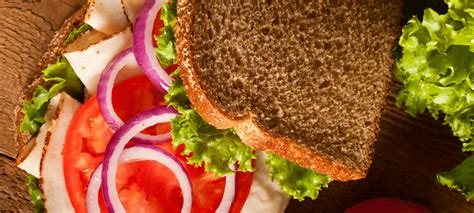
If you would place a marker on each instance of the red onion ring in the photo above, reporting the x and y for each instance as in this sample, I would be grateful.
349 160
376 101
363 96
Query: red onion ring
143 44
141 152
116 146
229 193
104 96
92 193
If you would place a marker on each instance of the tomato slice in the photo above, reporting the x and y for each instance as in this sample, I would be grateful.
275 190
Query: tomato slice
143 186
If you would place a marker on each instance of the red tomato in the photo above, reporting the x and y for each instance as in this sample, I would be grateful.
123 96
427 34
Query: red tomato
143 186
387 205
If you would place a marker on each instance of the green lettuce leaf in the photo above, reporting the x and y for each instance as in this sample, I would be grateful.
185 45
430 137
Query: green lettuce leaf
436 70
460 178
62 77
34 111
35 193
176 96
166 50
294 180
76 32
207 146
215 149
436 65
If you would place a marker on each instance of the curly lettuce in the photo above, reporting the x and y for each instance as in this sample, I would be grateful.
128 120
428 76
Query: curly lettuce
294 180
176 96
35 192
436 70
205 145
62 77
166 50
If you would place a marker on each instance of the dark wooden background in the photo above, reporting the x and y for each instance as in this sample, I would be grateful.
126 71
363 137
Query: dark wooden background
409 151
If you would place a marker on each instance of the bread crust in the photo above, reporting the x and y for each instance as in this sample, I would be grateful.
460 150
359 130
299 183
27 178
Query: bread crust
248 129
55 50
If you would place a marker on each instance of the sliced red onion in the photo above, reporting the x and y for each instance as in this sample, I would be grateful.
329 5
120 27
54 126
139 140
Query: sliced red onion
229 193
92 194
104 96
143 44
141 152
116 146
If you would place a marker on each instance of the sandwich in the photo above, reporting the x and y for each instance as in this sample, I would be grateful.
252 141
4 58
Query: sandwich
206 105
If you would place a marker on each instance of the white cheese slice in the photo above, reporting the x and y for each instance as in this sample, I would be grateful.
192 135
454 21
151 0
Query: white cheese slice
265 196
31 163
89 63
107 16
53 184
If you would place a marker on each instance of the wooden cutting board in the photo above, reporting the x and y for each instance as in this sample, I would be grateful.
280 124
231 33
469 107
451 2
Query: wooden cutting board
409 151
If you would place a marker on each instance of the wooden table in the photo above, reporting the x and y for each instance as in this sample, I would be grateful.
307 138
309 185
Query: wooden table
409 151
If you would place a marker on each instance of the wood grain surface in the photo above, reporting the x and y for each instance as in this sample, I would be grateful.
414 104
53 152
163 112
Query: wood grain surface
26 28
409 151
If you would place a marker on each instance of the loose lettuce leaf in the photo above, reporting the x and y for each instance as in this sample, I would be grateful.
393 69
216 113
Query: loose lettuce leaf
34 190
436 65
76 32
460 178
294 180
436 70
63 78
166 50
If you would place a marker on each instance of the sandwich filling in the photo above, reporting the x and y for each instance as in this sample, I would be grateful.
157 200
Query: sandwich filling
434 67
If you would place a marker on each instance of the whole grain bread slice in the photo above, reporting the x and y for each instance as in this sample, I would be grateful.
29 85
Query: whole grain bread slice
52 55
306 80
